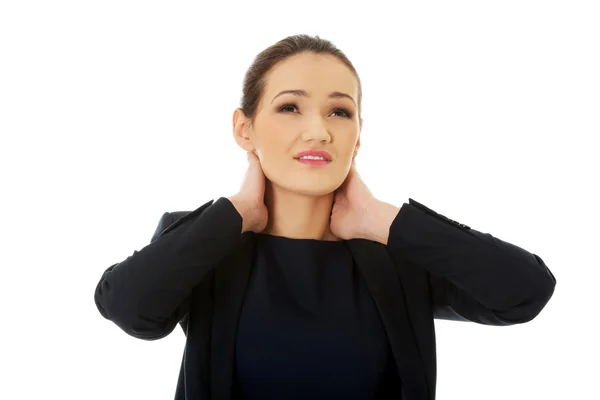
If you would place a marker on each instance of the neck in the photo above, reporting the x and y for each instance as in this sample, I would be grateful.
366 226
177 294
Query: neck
298 216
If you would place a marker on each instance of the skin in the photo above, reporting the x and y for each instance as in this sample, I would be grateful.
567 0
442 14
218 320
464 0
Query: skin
306 202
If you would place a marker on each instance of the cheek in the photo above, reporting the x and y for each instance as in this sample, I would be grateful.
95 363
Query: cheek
274 158
273 146
347 149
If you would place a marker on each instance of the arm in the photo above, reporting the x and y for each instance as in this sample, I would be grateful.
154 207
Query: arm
473 276
148 293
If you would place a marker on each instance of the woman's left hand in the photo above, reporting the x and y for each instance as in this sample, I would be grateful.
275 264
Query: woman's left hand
352 203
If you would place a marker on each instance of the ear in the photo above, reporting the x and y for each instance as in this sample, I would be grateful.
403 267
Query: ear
240 130
356 147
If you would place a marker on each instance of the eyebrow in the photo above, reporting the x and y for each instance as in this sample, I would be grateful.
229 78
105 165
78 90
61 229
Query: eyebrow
300 92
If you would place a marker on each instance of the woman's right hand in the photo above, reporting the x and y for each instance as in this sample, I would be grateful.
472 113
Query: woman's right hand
250 200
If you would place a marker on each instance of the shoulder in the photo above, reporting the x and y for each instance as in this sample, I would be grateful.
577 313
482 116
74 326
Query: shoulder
169 218
175 215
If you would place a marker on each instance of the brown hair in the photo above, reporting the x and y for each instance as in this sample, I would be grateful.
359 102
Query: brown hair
255 78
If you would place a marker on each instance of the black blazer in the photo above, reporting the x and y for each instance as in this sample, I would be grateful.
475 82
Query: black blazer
195 270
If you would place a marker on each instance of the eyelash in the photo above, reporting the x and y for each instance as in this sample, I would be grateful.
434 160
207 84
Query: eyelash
348 113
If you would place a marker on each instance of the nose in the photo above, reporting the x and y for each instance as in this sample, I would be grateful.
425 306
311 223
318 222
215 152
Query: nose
317 132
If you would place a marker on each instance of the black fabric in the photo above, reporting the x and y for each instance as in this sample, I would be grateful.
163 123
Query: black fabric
196 269
309 327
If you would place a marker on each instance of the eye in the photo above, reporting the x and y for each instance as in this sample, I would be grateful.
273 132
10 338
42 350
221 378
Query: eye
347 113
287 106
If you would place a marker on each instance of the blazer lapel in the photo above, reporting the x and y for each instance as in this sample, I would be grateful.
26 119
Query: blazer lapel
386 287
229 289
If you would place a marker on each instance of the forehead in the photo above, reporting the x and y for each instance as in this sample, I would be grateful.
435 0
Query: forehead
318 74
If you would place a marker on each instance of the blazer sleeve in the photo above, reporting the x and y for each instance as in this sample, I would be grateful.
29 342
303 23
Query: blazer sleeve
472 275
148 293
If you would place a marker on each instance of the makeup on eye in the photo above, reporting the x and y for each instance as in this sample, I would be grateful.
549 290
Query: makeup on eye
347 112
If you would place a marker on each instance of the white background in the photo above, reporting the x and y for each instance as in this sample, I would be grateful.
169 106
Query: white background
113 112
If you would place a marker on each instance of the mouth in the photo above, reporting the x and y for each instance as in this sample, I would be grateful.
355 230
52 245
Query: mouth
313 157
312 160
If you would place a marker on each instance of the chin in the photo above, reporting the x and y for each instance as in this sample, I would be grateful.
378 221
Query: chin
309 186
312 191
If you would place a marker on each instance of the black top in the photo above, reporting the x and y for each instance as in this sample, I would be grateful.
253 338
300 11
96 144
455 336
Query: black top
309 328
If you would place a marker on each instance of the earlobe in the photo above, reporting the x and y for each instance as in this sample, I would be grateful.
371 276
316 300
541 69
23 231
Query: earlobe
244 142
240 132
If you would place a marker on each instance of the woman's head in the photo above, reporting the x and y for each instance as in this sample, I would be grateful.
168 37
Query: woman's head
322 113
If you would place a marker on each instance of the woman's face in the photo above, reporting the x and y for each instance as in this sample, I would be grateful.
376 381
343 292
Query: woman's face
287 124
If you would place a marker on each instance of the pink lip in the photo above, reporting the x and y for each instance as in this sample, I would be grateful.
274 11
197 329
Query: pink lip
316 153
313 162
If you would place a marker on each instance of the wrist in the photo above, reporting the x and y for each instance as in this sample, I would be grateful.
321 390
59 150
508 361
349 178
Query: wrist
243 210
381 217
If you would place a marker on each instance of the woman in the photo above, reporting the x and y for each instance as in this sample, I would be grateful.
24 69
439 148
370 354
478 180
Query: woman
302 284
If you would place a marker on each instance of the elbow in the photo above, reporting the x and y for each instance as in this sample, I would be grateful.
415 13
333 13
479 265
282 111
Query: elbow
543 292
122 312
530 308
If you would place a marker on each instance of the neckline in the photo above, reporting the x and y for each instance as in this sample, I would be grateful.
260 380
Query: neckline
305 240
